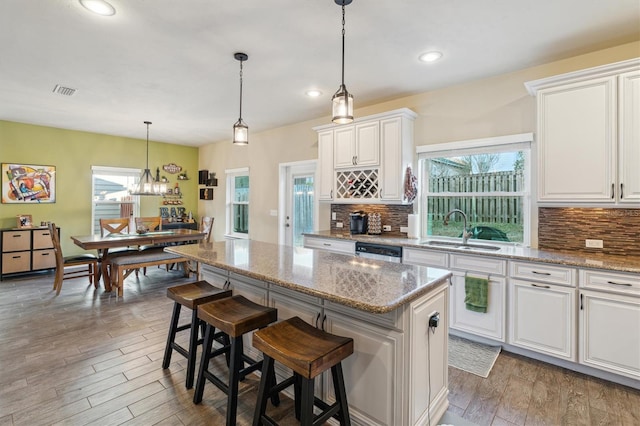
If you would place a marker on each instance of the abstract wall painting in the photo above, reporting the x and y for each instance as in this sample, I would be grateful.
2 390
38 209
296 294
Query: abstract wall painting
28 184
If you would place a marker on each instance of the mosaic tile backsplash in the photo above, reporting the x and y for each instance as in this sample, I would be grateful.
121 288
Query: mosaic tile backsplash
390 214
568 228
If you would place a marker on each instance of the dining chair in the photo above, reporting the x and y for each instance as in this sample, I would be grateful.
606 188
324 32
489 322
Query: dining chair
206 226
153 223
62 262
116 225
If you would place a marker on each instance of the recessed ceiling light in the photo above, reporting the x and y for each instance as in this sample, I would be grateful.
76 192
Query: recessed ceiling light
430 56
100 7
313 93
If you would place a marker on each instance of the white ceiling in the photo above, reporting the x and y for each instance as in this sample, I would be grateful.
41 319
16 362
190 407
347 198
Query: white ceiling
171 61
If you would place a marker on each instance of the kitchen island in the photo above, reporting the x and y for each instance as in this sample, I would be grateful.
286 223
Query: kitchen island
397 374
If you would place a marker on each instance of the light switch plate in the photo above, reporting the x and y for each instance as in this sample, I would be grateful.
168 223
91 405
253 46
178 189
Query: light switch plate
338 224
594 243
404 229
333 215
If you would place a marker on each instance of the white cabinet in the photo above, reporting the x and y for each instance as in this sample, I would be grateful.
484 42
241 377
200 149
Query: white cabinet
629 138
396 147
542 318
357 145
434 258
326 175
588 123
610 332
368 159
542 309
490 324
610 322
330 244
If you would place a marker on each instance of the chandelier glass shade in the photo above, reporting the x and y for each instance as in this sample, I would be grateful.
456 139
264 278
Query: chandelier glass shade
147 185
342 100
240 129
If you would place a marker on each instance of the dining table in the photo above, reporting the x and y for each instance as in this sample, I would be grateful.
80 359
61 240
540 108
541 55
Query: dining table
102 244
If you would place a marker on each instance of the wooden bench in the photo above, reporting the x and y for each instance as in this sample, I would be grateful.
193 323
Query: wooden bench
122 266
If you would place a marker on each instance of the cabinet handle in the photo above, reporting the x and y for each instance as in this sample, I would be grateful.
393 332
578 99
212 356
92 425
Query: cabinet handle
581 307
540 273
45 254
17 235
540 286
45 234
332 193
326 244
317 318
324 318
615 283
16 257
613 190
621 190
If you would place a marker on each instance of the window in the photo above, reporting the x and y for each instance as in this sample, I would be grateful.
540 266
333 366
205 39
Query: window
486 179
238 203
110 194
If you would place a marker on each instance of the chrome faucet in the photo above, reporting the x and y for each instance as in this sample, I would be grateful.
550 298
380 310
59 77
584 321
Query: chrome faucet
465 234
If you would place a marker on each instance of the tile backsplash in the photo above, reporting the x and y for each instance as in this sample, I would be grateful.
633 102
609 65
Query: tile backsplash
391 214
568 228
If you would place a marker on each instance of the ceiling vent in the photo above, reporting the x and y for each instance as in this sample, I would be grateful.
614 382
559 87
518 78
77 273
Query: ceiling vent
66 91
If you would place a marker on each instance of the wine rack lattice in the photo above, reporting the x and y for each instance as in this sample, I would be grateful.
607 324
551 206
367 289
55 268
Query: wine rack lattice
357 184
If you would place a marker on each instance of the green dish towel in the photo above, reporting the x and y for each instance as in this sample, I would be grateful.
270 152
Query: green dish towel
476 293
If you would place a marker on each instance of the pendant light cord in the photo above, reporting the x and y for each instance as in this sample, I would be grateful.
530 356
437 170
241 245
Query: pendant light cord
241 90
147 123
343 43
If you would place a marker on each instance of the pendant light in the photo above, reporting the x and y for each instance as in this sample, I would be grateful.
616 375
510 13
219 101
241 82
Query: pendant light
342 100
240 129
147 185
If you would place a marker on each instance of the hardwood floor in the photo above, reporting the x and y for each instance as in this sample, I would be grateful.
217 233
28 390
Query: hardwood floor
86 357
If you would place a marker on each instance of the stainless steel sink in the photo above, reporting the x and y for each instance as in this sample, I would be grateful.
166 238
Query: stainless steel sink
457 245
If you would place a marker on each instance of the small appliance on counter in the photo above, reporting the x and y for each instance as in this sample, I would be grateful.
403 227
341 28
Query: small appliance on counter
358 222
375 224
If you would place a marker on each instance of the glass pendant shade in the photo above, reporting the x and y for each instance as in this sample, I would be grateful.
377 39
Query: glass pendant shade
342 106
240 133
147 185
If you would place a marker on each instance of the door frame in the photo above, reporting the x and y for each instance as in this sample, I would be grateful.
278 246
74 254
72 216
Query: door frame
284 170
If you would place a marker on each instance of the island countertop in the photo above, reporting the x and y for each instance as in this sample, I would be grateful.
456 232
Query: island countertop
370 285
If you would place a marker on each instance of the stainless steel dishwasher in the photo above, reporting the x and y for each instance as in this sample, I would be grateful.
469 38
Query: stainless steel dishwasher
379 251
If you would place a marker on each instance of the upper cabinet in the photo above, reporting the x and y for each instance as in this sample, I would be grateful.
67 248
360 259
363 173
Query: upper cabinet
588 135
366 161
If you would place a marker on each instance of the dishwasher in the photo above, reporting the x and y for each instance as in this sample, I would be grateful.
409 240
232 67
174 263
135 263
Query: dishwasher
379 252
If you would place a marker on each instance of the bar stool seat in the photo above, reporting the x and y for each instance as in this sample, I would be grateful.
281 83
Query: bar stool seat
190 296
235 316
308 351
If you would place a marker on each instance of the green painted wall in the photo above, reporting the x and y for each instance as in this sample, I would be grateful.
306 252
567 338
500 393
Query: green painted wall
74 153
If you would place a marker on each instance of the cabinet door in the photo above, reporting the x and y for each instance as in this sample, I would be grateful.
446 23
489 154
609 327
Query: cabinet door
367 148
391 173
629 138
42 239
490 324
577 134
16 241
542 318
43 259
19 261
326 176
214 276
373 373
610 332
344 147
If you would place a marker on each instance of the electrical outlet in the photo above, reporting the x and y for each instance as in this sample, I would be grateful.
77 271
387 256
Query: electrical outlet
404 229
594 243
333 215
386 228
338 224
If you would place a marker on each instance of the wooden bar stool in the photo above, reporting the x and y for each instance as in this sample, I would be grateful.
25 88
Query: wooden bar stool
190 296
234 316
308 351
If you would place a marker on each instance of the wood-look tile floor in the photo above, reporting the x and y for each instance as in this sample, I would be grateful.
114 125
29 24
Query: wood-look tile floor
87 357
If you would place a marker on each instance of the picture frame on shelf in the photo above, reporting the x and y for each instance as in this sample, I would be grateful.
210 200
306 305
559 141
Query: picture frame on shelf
206 193
24 221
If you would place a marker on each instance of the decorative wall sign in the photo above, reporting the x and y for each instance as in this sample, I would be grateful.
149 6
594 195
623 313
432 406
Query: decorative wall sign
24 183
171 168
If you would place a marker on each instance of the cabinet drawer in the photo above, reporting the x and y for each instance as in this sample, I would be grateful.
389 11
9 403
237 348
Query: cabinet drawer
478 264
543 272
16 241
42 239
338 246
16 262
44 259
610 281
434 258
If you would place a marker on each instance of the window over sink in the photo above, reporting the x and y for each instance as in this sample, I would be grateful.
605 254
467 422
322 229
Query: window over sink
487 179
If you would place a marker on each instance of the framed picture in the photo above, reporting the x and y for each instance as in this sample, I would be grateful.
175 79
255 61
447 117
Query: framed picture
28 184
24 221
206 193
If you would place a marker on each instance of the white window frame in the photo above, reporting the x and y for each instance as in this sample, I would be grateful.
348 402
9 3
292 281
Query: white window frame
231 174
520 142
115 171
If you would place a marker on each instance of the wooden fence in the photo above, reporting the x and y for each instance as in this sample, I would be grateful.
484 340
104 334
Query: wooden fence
479 208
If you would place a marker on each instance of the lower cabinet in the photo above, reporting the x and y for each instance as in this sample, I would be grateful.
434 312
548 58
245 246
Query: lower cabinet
542 318
26 250
254 290
610 332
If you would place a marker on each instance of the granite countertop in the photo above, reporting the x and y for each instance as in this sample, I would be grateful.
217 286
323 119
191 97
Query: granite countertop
610 262
366 284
